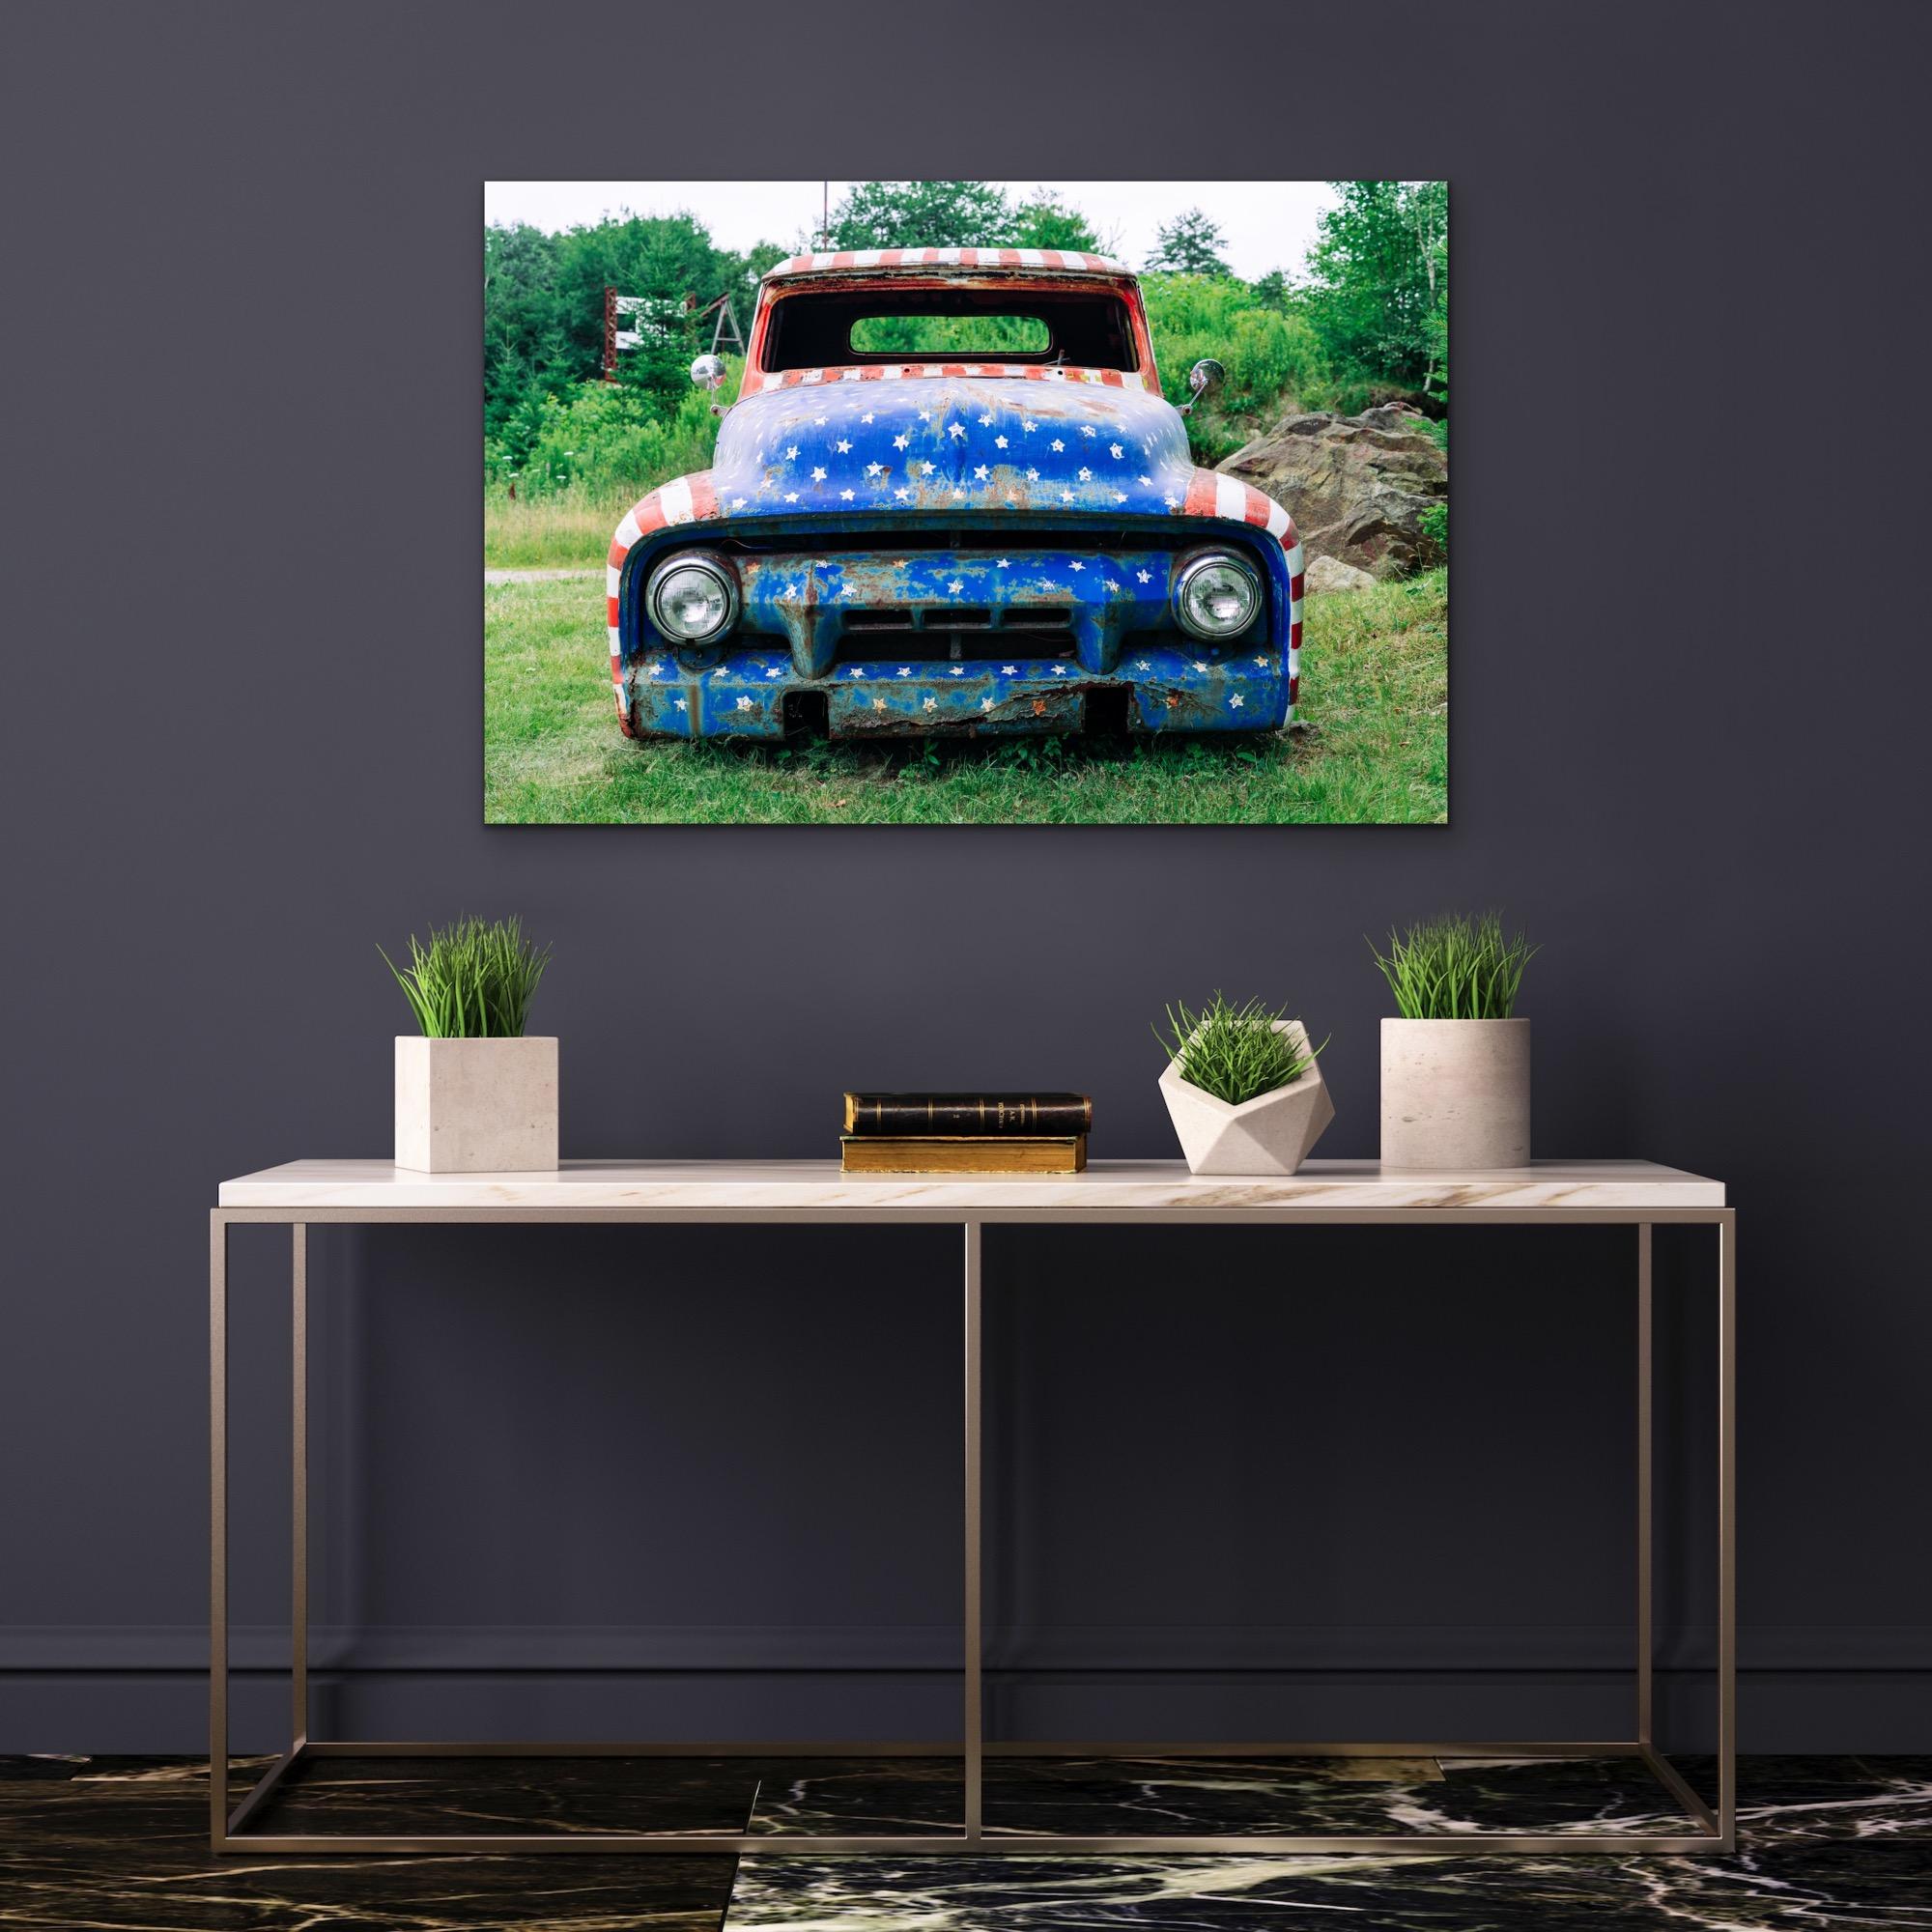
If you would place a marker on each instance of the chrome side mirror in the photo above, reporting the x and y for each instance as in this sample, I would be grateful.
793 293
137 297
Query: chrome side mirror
1204 378
708 372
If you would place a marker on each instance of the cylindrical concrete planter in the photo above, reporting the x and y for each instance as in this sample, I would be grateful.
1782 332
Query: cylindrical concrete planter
1454 1092
476 1106
1271 1134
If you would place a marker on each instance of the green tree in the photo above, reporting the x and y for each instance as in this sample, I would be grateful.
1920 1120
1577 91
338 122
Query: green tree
923 214
1378 282
1271 290
1047 222
1190 245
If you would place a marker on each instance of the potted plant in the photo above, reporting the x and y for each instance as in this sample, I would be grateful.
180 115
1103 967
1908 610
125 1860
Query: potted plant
1243 1089
1456 1063
475 1093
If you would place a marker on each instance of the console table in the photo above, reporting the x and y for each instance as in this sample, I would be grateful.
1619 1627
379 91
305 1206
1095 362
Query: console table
1110 1193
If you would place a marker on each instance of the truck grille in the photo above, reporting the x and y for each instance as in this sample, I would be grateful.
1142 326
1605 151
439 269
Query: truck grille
958 632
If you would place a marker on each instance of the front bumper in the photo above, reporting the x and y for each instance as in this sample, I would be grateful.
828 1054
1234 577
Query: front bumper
1165 689
1038 638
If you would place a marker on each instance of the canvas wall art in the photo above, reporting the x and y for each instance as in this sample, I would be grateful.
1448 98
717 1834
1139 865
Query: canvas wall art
966 502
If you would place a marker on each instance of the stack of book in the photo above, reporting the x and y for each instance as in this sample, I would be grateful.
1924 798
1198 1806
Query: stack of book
965 1133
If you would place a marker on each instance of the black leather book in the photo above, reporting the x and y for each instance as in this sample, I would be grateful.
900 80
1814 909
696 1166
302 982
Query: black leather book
905 1114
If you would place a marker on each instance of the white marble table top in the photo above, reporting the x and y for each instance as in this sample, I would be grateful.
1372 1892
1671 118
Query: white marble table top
728 1187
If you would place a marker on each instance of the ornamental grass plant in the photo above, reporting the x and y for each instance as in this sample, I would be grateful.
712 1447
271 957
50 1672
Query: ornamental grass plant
473 980
1454 968
1234 1053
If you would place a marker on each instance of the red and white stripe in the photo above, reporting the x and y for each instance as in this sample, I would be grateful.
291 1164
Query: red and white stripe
1064 261
893 372
685 499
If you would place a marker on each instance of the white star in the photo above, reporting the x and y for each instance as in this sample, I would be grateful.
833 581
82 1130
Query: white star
901 564
959 488
845 495
1149 481
925 469
1172 502
985 422
1200 667
902 492
956 586
1056 444
901 442
955 429
1049 586
1120 496
818 476
876 470
1261 664
999 443
791 496
905 671
878 705
743 704
932 704
682 705
1033 476
1010 670
925 416
1060 671
1144 576
739 503
958 670
857 670
658 670
983 472
843 447
1087 429
1066 495
1143 665
1003 563
774 671
820 420
867 417
790 590
1234 702
791 454
848 590
1029 427
1109 584
1076 566
1114 450
985 704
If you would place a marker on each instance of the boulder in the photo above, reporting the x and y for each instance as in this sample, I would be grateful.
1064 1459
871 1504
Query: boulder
1356 486
1330 573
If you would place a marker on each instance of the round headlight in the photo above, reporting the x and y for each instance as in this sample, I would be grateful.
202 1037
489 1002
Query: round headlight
1216 596
694 599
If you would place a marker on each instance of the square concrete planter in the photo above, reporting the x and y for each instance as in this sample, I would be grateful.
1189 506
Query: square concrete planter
1454 1092
1271 1134
476 1106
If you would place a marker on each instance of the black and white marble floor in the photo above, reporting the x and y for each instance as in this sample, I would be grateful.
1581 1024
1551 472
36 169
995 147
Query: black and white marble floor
1829 1845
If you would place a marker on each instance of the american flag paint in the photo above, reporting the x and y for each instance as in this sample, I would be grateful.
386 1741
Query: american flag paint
1054 489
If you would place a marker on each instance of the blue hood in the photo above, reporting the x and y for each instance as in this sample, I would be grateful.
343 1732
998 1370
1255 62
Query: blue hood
940 443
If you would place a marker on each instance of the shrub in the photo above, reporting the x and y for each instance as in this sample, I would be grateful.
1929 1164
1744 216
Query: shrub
472 981
1454 968
1233 1052
1266 352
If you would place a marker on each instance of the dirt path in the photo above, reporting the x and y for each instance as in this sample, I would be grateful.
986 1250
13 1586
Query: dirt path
534 576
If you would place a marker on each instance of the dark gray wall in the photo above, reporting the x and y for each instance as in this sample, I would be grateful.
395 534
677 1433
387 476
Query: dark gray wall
242 731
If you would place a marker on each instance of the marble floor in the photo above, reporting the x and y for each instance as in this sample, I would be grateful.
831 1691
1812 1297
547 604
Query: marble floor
88 1844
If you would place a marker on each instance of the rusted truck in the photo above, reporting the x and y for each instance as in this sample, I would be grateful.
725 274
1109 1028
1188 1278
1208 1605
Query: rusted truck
951 497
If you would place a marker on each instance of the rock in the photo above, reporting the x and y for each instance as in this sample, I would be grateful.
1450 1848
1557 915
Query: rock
1356 486
1328 572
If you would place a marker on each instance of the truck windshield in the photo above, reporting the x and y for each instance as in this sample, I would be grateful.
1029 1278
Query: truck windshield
829 329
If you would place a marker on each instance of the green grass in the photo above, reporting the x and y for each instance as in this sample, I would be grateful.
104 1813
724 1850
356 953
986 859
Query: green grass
1374 689
569 529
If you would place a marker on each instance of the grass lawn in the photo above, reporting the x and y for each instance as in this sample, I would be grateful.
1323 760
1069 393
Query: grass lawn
1373 692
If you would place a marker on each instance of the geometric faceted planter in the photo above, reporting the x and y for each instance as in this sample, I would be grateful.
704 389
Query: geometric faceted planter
1271 1134
476 1106
1454 1092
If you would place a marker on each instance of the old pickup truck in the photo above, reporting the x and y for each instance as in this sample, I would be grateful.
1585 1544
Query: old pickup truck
900 535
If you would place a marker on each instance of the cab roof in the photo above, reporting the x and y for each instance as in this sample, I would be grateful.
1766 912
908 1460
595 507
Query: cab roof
1011 261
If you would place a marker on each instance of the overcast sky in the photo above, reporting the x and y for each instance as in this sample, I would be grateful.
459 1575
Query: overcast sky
1267 224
